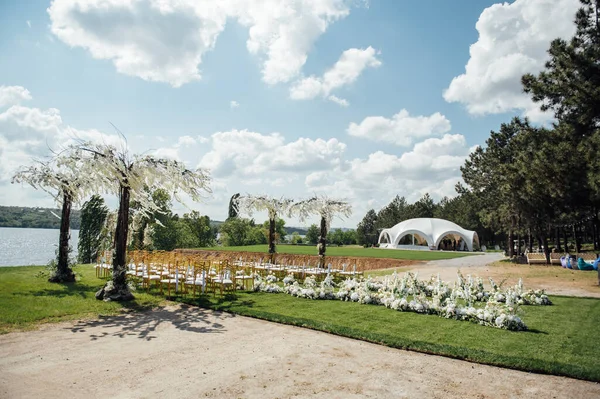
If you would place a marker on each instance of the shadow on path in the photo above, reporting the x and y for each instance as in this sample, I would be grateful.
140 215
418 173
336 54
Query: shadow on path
144 324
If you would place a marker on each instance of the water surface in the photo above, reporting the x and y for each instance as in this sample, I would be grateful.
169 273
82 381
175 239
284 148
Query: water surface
24 246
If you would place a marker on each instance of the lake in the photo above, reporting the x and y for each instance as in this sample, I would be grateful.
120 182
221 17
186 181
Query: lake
22 247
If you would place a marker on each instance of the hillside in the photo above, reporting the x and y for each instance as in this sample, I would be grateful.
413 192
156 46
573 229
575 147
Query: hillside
42 218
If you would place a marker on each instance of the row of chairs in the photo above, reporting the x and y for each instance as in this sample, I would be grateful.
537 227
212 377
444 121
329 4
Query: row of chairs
186 272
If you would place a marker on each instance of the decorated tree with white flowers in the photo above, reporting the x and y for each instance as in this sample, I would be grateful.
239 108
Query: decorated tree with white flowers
325 207
275 207
134 178
61 179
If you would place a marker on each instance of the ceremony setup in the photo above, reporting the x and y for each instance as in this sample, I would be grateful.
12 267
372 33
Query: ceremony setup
300 199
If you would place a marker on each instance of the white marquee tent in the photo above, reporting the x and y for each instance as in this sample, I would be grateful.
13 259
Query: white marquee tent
428 231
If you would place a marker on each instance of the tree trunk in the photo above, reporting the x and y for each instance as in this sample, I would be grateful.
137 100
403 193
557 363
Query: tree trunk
564 231
595 231
577 244
119 290
546 251
63 272
322 243
511 251
557 237
272 239
530 241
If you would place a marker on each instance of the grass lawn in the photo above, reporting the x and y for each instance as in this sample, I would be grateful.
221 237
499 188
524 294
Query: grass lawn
26 300
350 251
562 338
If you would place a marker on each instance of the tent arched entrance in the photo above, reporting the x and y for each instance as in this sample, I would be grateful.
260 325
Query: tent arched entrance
455 235
420 237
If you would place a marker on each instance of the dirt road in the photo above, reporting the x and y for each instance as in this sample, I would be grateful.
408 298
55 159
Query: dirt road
192 353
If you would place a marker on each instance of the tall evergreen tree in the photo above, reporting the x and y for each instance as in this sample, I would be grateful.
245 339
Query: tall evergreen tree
570 83
366 231
93 216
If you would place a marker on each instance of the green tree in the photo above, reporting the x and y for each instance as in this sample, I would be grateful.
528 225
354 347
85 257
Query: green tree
185 236
93 216
200 226
237 231
570 83
296 239
312 234
490 172
165 235
350 237
366 231
424 207
395 212
257 235
337 237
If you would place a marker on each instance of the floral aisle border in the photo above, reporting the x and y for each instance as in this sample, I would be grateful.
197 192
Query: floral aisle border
409 294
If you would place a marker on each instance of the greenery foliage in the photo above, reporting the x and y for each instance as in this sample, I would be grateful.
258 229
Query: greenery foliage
40 218
312 234
93 217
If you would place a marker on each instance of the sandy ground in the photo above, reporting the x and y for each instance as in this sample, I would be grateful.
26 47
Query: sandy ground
553 278
192 353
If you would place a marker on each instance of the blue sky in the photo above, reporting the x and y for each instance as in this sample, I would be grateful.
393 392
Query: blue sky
167 76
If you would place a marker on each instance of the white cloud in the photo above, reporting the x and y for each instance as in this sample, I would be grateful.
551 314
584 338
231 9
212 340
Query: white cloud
12 95
432 166
251 154
202 139
285 30
28 133
28 23
186 141
242 160
513 40
345 71
165 40
168 153
341 101
401 129
233 104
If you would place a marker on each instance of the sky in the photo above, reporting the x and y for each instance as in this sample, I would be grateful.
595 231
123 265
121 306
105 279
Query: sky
353 99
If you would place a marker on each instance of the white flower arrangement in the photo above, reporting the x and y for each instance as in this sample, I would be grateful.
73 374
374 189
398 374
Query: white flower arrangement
408 293
289 279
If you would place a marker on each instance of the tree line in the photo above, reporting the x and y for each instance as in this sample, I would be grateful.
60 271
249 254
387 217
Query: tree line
38 218
460 210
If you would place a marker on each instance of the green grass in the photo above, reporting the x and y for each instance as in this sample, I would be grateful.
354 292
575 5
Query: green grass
26 300
349 251
562 338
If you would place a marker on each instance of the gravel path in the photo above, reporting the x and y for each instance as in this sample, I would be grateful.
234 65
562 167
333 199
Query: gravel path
467 261
191 353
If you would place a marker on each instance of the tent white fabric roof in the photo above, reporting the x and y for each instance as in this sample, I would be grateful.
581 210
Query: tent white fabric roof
431 230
